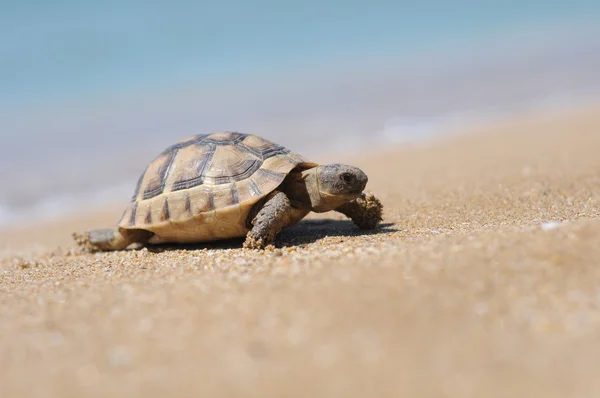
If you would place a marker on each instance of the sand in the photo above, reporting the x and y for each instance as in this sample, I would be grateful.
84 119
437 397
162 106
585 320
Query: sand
483 280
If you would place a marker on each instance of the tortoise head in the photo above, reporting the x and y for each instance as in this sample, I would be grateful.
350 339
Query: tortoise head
333 185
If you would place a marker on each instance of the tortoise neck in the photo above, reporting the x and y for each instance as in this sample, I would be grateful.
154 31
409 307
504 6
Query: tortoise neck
301 187
303 190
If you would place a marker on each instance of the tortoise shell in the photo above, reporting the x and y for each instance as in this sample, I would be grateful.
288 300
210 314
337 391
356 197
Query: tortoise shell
204 187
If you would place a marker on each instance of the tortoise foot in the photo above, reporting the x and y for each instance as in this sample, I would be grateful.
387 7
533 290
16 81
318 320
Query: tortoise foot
366 211
254 243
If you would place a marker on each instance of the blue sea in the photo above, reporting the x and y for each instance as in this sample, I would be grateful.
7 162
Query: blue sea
90 92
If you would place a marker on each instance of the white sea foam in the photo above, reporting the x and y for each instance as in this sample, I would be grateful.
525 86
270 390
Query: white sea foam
411 129
397 130
6 215
82 149
61 204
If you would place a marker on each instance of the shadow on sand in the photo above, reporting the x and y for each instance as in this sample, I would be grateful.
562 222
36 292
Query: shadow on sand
303 233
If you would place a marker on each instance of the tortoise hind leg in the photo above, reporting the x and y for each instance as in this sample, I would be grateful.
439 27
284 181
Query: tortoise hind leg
111 239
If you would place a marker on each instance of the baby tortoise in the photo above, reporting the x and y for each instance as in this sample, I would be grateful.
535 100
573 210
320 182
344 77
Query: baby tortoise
228 185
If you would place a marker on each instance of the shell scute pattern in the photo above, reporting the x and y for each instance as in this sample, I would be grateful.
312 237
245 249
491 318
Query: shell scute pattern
154 177
190 170
206 184
230 164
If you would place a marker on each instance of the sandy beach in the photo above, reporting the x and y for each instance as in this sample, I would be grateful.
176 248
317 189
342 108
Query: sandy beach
482 281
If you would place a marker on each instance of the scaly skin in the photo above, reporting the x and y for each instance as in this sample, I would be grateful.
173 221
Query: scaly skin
275 214
319 189
365 211
110 239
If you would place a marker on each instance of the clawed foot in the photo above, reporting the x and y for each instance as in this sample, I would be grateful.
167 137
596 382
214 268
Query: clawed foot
366 212
252 242
372 211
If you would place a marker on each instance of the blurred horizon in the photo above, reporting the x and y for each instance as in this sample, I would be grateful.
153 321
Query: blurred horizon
92 91
69 49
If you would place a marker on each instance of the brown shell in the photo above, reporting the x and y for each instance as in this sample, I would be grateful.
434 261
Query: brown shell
203 188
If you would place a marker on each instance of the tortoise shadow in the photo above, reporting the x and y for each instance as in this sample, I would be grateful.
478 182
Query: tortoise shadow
302 233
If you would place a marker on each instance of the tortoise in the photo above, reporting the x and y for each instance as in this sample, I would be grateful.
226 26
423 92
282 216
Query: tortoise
225 185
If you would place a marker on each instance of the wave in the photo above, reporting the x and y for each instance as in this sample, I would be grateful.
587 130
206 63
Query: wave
320 113
412 129
396 131
55 206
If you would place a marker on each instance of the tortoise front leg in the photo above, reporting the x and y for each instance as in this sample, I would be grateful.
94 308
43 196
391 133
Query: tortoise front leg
275 214
364 211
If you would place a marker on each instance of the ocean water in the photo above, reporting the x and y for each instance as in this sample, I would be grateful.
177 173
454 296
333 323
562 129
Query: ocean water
92 91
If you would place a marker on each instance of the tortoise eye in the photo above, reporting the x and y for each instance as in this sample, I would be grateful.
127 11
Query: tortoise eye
347 177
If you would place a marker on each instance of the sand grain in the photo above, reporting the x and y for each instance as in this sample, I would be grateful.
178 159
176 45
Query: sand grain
483 280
